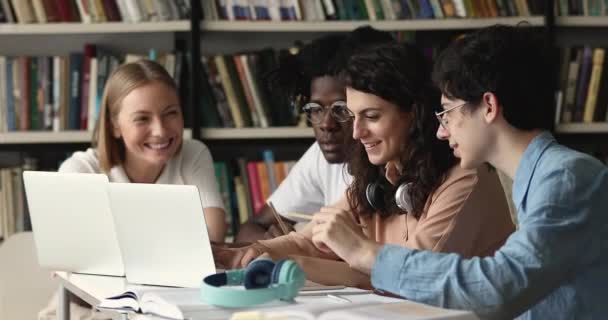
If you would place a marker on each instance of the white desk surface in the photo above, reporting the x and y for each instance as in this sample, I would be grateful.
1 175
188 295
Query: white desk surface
94 288
91 288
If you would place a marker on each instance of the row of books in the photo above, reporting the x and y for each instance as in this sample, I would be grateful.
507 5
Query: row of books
59 92
14 216
581 7
318 10
92 11
245 186
237 94
583 93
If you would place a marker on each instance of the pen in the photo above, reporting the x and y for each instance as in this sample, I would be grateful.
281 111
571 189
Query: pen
308 217
278 218
338 298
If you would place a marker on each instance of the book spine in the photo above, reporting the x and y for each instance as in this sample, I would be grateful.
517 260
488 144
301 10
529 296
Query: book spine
75 85
56 93
583 84
270 164
594 84
254 187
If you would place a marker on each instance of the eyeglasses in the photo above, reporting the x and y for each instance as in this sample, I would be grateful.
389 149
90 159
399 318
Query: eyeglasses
316 112
441 115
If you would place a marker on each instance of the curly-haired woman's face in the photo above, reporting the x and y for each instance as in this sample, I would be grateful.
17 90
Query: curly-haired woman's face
379 125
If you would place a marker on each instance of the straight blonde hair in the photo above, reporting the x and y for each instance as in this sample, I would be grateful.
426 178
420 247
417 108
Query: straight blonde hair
126 78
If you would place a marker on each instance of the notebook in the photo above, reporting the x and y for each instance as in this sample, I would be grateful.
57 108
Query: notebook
162 234
72 223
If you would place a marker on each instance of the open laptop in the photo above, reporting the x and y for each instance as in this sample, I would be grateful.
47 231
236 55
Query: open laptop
162 233
72 223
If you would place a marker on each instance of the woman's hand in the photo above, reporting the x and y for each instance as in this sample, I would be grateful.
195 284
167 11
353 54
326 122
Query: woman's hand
336 230
235 258
392 172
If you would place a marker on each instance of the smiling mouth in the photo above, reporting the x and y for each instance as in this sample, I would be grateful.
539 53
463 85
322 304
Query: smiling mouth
159 146
371 145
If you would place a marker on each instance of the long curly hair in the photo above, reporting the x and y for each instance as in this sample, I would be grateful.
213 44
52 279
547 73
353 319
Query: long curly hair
400 74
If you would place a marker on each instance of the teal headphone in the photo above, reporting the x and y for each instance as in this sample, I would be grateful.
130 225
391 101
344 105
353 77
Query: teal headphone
264 279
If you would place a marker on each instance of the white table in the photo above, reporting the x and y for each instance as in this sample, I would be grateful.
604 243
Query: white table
94 288
90 288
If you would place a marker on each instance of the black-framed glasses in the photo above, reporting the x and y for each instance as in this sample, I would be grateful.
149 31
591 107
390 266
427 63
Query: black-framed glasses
316 112
441 115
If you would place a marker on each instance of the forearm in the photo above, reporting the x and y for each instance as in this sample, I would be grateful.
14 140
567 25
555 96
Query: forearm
250 232
502 286
331 272
295 243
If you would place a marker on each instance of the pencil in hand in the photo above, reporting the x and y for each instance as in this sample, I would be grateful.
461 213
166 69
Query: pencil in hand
282 225
307 217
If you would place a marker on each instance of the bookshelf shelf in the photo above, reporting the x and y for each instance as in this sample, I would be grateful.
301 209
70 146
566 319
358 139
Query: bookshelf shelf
256 133
581 21
44 137
598 127
82 28
35 137
329 26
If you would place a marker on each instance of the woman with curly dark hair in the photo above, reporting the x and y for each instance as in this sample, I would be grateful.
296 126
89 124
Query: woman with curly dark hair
407 188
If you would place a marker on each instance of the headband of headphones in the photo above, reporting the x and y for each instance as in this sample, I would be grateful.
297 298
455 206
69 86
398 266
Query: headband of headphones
263 279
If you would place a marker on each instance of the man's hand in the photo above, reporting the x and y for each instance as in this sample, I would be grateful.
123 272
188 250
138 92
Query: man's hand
235 258
275 231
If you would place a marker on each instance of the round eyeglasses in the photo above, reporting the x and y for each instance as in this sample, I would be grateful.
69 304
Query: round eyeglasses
441 116
316 112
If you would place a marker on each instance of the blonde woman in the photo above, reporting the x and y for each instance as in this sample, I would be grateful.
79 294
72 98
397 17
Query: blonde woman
139 139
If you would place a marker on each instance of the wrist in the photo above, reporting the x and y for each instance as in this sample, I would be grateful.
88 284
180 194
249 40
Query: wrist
365 256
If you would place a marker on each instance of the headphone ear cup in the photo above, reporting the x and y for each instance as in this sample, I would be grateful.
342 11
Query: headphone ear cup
375 195
289 274
402 197
258 274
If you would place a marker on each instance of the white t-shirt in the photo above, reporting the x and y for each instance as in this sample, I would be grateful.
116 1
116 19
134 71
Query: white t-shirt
312 183
193 165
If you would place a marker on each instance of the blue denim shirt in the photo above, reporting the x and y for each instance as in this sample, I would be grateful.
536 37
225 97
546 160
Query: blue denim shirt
555 266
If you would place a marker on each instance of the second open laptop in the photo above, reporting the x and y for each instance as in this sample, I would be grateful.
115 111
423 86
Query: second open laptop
72 224
162 234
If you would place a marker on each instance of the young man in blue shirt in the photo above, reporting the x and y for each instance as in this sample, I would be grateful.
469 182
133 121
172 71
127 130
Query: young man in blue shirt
497 101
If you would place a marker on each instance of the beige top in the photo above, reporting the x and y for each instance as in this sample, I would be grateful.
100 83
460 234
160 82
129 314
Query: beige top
468 214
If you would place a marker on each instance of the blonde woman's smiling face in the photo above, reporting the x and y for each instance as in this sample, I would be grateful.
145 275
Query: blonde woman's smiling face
150 123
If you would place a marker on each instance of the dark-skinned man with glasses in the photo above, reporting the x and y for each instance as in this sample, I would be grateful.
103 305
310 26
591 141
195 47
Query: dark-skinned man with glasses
319 177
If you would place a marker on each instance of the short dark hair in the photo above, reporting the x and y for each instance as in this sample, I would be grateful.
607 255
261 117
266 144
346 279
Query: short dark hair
324 56
514 63
399 73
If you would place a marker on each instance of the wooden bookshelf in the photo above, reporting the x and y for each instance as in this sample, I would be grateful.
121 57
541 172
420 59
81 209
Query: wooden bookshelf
581 21
47 137
256 133
336 26
595 127
84 28
36 137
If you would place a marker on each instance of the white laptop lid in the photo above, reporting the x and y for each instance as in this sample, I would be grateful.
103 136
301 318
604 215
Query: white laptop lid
72 223
162 233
